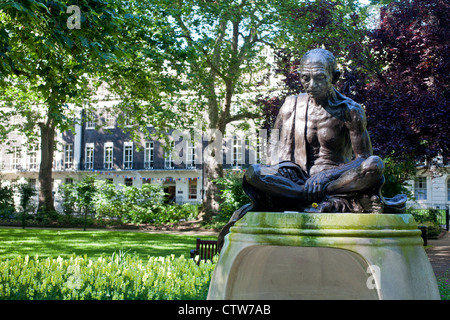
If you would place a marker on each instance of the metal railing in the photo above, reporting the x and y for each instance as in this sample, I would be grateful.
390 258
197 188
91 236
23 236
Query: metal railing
438 212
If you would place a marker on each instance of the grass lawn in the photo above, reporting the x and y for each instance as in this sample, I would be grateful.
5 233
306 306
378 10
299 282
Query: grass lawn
93 244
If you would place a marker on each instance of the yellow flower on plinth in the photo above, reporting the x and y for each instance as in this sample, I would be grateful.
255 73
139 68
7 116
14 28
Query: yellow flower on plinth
315 205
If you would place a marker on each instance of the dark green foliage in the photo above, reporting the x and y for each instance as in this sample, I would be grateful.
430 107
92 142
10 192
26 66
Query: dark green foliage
7 209
232 195
431 218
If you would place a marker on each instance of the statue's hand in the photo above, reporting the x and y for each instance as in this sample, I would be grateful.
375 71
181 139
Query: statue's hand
291 174
315 187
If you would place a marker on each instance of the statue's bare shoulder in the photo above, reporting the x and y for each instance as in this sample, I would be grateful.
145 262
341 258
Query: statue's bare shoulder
355 116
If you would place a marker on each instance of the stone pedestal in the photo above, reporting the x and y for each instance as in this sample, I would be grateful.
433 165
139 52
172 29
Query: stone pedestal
276 255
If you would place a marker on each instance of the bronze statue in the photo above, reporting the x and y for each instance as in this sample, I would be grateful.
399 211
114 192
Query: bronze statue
323 160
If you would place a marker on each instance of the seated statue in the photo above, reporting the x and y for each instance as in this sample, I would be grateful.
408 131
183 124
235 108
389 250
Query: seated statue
323 160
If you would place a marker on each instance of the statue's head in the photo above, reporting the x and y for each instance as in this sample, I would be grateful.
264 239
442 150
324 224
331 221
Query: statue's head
318 73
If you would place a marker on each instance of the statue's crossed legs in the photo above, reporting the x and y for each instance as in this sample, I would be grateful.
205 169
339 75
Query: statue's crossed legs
268 187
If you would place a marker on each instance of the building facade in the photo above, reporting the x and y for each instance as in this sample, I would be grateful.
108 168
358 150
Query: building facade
431 186
97 145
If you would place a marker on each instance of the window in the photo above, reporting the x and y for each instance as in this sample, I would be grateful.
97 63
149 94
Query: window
148 155
128 182
168 163
237 152
126 122
68 156
128 155
15 163
255 150
110 120
32 157
32 183
259 152
448 190
68 181
109 180
193 189
16 119
190 161
420 188
89 161
90 120
108 156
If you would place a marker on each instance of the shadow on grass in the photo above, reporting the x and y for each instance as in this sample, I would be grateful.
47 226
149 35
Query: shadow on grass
93 244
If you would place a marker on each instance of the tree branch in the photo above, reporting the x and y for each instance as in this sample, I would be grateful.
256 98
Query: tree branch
242 116
187 35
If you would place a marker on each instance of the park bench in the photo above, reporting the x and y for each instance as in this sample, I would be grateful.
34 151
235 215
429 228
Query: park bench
204 249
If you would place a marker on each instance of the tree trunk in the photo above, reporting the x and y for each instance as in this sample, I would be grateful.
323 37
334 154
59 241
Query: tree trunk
213 170
46 203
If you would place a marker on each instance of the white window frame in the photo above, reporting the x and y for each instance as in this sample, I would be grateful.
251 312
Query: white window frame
68 156
128 155
126 120
420 188
128 182
255 148
108 155
32 157
237 155
16 119
191 194
190 155
16 157
110 120
149 153
168 162
89 156
91 120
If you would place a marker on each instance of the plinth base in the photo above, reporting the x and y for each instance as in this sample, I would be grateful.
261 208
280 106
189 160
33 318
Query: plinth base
275 255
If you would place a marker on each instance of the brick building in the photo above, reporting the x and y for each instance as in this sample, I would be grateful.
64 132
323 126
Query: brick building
97 145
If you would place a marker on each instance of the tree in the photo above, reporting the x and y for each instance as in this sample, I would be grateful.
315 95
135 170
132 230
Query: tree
7 207
338 26
85 192
53 54
407 99
219 44
26 191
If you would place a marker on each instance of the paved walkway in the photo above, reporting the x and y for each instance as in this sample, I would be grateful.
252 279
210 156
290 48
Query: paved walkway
439 254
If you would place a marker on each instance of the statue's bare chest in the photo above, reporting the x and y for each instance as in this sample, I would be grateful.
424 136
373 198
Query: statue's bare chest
324 130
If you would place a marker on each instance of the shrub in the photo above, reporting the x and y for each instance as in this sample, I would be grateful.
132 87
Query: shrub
7 209
232 195
126 204
120 277
428 218
66 192
139 205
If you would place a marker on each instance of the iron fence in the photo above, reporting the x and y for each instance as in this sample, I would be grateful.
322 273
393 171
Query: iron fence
437 212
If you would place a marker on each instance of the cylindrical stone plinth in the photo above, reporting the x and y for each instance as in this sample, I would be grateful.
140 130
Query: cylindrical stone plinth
276 255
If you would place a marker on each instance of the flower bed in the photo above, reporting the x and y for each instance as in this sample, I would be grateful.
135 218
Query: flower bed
120 277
